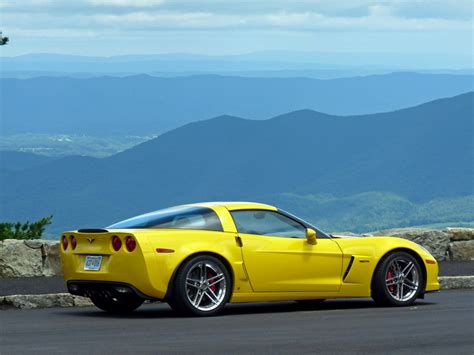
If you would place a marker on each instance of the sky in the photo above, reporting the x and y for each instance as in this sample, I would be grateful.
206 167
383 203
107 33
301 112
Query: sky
419 28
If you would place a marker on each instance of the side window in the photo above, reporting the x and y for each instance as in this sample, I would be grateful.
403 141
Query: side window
267 223
187 221
200 218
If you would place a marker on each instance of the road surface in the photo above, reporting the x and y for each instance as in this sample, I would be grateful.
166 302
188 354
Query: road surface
442 323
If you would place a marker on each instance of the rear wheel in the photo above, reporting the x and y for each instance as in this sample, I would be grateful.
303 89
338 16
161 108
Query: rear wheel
398 280
113 304
202 287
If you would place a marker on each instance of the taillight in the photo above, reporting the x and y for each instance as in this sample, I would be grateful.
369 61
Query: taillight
73 242
64 241
130 243
116 243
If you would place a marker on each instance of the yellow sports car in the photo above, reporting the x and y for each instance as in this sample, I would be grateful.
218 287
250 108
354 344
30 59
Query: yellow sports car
199 257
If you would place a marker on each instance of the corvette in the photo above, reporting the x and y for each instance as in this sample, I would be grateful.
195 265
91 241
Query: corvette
199 257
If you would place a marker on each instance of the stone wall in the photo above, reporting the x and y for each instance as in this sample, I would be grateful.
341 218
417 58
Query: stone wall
28 258
452 244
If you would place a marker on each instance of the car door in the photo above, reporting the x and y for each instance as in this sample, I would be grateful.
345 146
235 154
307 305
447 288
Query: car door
278 258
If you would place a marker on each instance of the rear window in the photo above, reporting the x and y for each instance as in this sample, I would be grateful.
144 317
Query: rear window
200 218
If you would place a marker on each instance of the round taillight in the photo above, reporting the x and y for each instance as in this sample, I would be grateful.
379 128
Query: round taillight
64 241
73 242
116 243
130 243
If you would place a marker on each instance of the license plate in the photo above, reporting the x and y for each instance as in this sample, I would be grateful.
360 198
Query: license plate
93 262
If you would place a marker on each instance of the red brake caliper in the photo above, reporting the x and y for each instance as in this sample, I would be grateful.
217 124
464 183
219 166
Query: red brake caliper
213 287
389 276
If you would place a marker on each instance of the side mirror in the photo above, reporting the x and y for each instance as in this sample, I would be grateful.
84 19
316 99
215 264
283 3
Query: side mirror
311 236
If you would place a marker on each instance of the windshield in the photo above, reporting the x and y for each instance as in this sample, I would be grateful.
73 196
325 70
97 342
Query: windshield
201 218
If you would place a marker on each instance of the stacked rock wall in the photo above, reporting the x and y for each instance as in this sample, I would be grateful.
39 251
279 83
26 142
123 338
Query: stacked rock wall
452 244
28 258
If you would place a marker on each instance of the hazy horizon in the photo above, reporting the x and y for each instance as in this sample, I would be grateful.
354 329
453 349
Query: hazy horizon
423 34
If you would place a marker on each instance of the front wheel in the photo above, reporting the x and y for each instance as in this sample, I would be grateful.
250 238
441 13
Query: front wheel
116 305
202 287
398 280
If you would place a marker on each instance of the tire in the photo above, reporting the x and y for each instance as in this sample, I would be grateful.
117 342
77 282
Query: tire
397 280
114 305
202 287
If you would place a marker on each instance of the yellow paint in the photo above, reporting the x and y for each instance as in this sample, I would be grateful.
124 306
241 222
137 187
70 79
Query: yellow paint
265 268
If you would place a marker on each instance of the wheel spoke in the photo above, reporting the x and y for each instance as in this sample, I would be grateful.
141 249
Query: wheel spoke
212 296
192 283
198 298
410 282
396 266
408 268
215 277
392 283
409 286
201 271
222 278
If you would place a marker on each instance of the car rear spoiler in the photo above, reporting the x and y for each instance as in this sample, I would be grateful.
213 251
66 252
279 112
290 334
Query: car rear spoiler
92 230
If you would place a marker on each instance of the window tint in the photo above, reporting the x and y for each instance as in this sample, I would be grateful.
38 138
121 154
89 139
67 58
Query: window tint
267 223
175 218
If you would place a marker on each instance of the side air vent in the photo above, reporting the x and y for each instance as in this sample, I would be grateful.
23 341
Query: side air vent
348 268
93 231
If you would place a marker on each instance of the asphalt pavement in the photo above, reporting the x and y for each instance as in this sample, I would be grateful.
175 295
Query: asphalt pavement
440 324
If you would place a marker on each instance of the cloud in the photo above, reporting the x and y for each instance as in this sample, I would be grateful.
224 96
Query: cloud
126 3
254 23
153 15
435 9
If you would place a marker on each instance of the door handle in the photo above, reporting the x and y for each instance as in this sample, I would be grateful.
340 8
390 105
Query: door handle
238 241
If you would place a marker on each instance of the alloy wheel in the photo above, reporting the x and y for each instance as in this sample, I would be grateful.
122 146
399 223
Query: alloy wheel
402 279
205 286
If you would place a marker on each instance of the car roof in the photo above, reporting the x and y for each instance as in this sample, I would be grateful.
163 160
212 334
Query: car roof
236 205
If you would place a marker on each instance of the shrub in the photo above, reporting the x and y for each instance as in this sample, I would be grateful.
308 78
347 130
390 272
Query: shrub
25 230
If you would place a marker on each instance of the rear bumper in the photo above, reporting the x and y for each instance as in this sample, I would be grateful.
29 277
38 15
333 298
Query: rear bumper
107 288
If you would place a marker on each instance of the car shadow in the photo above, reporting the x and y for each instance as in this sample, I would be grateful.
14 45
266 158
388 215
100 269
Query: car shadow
162 310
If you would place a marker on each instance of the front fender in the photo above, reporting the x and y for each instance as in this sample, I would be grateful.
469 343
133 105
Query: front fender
366 253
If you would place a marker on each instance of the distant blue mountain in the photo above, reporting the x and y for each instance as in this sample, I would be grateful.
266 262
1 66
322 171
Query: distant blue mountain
410 166
264 60
143 104
17 161
283 73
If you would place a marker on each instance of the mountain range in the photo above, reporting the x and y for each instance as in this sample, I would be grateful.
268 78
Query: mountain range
18 161
257 61
145 105
359 172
